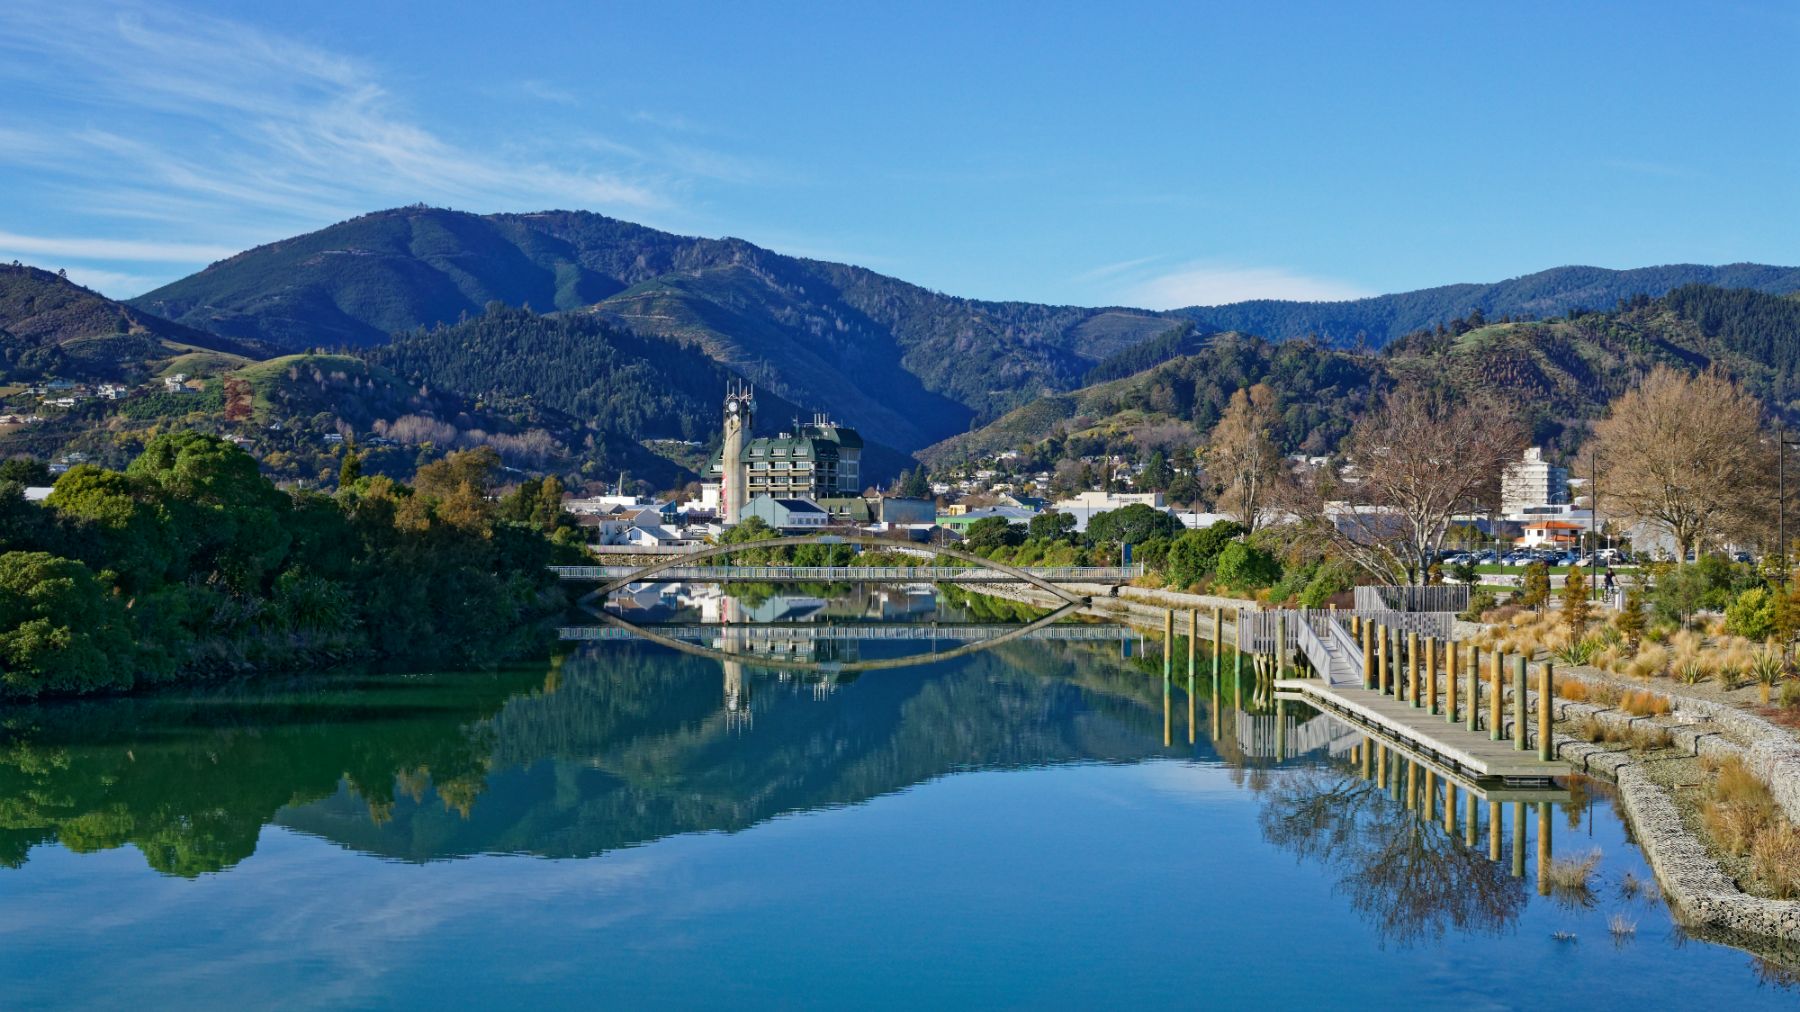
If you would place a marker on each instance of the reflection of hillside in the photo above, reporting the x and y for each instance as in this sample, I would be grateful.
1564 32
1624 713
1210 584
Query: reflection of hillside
635 745
191 779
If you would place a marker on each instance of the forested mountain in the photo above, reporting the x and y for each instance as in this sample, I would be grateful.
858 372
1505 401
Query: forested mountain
908 366
52 327
1376 321
1559 373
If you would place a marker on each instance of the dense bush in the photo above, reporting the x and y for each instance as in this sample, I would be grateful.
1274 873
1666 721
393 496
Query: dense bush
1752 615
190 563
1244 567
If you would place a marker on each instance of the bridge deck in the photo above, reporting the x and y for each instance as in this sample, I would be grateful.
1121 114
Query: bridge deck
1471 752
851 574
760 632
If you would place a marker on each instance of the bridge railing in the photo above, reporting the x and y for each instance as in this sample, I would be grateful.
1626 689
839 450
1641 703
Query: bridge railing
853 574
1449 597
1259 627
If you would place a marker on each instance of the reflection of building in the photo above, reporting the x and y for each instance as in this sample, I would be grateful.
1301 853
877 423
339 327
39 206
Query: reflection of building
1532 481
821 460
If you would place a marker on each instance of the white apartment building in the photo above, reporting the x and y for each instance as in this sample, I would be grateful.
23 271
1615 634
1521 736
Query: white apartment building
1532 481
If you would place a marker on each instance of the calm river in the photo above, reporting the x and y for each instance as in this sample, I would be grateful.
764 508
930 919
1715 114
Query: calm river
631 826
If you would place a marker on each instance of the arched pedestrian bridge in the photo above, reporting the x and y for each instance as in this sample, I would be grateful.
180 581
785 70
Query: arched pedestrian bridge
687 567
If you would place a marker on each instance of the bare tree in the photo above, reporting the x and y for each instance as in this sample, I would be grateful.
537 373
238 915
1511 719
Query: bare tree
1408 467
1241 453
1685 453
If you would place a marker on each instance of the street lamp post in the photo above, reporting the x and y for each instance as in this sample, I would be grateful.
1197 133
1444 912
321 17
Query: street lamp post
1782 443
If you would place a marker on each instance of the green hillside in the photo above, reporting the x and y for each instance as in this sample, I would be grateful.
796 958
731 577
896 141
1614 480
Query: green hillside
51 327
1560 374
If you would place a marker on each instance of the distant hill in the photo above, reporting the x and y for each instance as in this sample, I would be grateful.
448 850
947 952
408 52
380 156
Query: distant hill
1559 373
908 366
51 326
1555 292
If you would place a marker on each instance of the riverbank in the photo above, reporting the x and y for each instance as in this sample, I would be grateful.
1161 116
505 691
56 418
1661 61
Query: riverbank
1652 758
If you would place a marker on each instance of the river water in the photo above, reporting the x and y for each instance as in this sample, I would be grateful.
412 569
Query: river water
629 826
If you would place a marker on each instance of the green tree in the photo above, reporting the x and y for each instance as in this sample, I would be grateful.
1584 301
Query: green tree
1051 526
1575 600
1680 591
1534 586
915 484
989 533
1133 524
1194 554
1157 474
25 471
1247 567
351 468
62 630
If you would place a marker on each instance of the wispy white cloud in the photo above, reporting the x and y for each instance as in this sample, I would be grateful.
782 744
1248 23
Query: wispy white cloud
544 91
1214 284
1105 271
111 249
203 135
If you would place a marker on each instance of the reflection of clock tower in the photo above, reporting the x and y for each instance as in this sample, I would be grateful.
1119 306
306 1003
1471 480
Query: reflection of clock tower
740 404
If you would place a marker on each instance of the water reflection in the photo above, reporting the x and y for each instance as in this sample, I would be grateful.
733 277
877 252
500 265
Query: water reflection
624 743
1410 877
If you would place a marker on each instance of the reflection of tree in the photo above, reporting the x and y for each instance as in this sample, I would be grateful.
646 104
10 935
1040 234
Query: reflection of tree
191 778
1406 876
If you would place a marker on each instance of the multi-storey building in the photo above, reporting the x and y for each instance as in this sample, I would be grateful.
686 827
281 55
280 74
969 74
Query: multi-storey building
1532 481
821 460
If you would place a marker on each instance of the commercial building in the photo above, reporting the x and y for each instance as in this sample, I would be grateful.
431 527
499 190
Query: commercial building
820 460
1532 481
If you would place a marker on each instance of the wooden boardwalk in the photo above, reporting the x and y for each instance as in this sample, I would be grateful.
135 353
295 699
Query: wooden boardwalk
1453 747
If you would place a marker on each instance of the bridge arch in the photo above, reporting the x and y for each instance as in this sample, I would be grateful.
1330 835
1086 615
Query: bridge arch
836 667
714 551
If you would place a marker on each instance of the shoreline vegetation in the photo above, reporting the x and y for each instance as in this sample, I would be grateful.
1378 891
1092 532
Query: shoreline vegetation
191 565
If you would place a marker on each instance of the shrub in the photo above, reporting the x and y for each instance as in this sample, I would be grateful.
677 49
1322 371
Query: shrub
1790 694
1766 668
1245 567
1194 554
1580 651
1481 600
63 630
1331 578
1752 615
1535 586
1575 600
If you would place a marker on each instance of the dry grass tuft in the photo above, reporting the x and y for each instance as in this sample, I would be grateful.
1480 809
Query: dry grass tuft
1775 859
1568 878
1643 703
1621 926
1649 738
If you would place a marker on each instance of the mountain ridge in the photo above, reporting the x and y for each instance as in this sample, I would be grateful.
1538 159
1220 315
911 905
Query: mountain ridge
910 366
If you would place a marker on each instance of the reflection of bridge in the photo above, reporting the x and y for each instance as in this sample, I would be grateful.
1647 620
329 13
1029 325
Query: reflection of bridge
1280 736
852 574
795 631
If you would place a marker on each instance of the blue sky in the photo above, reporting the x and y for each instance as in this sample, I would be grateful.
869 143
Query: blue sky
1154 155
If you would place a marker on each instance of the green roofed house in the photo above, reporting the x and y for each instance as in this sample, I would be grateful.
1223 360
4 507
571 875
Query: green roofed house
823 460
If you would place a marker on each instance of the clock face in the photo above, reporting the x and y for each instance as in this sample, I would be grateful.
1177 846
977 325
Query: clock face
731 407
